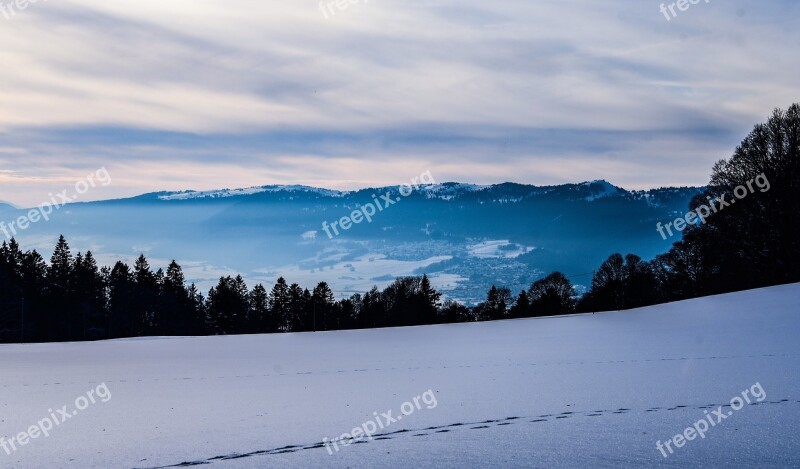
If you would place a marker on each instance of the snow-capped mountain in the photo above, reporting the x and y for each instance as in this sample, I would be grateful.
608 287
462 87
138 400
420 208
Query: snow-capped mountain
601 189
500 193
221 193
466 237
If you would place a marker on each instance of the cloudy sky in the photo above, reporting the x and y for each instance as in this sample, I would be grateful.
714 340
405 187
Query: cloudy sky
196 94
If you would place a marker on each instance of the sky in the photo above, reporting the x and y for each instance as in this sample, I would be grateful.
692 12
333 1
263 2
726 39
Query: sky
196 94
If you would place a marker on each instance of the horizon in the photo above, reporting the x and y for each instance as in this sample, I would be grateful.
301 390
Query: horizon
17 206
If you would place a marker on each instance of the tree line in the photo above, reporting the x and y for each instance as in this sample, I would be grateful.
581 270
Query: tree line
71 299
751 244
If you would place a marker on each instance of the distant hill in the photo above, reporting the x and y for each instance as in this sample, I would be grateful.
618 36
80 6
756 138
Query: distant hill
466 237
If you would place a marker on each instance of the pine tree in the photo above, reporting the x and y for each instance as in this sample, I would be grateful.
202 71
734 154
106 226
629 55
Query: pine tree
259 309
228 306
199 312
279 301
67 324
373 311
12 320
298 320
496 305
176 311
303 304
34 317
146 297
431 302
61 265
122 318
90 291
522 306
175 281
323 303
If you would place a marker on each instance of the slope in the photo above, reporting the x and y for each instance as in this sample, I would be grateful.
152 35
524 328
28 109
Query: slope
578 391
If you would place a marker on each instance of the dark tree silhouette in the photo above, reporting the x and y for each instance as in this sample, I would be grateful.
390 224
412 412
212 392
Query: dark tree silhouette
552 295
228 306
496 305
279 306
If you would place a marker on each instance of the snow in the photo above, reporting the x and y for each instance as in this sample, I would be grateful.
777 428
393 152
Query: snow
359 274
620 381
600 189
223 193
449 190
497 248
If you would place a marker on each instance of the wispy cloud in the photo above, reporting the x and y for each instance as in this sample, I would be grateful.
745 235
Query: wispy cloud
200 94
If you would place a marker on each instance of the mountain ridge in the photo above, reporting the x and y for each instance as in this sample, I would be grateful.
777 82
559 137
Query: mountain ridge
512 191
466 237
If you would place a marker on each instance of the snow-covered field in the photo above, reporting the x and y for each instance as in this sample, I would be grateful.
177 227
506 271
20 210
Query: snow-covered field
580 391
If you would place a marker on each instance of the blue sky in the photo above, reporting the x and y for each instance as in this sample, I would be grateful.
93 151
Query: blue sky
194 94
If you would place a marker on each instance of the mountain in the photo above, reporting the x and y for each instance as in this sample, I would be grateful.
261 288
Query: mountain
466 237
222 193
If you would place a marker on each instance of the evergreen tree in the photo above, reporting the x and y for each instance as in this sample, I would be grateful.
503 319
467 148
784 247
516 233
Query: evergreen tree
373 311
12 308
68 324
496 304
346 311
324 306
199 313
299 317
522 307
61 265
123 320
259 309
228 305
176 313
90 290
33 314
279 307
430 303
146 297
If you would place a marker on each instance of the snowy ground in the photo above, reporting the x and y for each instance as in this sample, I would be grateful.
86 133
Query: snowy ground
580 391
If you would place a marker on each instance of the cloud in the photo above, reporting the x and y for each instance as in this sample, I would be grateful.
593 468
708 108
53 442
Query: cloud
200 94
